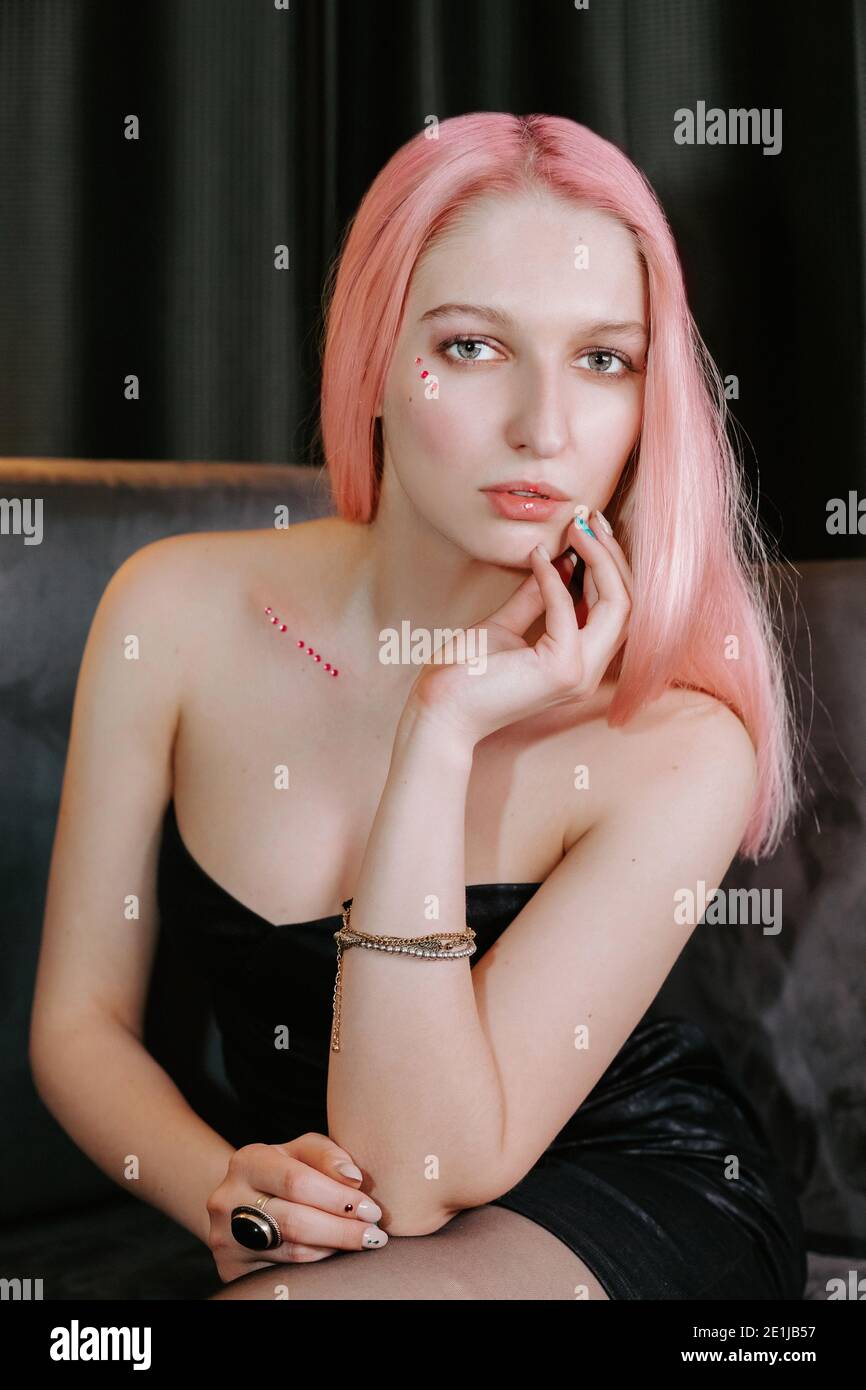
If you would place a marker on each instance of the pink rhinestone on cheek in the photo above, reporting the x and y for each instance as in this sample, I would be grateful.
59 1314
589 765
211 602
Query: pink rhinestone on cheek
301 644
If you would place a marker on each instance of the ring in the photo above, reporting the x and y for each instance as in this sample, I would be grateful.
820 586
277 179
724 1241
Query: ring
254 1228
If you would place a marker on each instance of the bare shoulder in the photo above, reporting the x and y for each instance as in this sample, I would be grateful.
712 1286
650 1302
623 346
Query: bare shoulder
191 557
706 732
181 577
156 569
688 716
685 742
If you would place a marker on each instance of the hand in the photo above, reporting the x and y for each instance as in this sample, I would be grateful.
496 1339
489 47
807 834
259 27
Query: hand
309 1204
567 663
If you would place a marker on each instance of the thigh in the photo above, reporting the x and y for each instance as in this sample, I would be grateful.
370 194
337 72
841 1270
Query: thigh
485 1252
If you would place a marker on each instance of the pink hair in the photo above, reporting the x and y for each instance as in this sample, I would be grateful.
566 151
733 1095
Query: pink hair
680 509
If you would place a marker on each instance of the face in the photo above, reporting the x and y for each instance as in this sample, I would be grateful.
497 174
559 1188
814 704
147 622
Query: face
531 388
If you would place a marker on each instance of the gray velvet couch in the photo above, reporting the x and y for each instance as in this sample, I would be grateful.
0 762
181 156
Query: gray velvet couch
788 1010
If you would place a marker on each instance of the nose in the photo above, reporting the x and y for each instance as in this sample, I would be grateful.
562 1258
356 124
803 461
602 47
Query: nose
540 419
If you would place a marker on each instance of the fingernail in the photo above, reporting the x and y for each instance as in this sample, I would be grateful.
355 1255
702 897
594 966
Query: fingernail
571 556
579 521
604 521
368 1210
349 1170
373 1237
542 552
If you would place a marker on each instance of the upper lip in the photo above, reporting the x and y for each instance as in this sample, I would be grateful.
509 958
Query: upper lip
529 485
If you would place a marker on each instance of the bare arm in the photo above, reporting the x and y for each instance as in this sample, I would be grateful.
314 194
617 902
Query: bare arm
414 1085
452 1082
99 936
449 1086
126 1113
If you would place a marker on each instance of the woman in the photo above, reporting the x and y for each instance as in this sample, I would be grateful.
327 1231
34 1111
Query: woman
508 355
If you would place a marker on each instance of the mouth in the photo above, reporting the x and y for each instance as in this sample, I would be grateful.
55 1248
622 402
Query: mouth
526 503
522 487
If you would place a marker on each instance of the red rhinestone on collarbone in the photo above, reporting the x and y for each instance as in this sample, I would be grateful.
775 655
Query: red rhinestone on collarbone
300 643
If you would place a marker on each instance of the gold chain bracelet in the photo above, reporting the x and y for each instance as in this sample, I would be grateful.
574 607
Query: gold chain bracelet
436 946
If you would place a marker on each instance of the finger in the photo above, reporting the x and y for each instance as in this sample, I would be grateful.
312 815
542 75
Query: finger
321 1152
604 628
565 565
303 1225
520 610
613 547
270 1169
231 1269
600 559
306 1254
559 617
589 589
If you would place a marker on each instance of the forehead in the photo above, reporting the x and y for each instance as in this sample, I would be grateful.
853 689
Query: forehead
523 252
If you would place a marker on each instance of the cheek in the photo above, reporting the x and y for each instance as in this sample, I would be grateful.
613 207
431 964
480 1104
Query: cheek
441 428
610 419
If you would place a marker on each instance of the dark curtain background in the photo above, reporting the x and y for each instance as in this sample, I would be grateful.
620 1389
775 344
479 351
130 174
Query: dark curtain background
262 125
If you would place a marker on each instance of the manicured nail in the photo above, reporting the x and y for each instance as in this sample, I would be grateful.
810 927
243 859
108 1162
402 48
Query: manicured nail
542 552
368 1210
571 556
349 1170
604 521
579 521
373 1238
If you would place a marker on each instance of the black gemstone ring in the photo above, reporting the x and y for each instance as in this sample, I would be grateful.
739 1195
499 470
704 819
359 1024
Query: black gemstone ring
255 1229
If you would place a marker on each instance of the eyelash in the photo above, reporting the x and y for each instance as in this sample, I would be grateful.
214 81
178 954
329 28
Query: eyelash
472 338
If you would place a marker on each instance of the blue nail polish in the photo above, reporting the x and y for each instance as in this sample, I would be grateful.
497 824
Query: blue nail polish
579 521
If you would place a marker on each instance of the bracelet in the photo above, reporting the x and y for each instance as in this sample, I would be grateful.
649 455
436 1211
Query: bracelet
436 946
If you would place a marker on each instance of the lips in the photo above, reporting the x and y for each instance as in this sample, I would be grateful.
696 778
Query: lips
530 504
524 487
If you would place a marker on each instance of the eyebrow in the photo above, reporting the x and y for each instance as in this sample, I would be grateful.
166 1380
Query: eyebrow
505 320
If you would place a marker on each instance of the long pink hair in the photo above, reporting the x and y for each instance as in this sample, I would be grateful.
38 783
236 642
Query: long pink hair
680 510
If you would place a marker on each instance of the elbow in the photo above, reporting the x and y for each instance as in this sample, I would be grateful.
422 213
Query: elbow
33 1056
411 1218
40 1074
408 1221
38 1044
414 1201
46 1051
411 1215
418 1207
408 1210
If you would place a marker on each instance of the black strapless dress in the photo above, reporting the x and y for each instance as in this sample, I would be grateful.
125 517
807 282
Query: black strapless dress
635 1181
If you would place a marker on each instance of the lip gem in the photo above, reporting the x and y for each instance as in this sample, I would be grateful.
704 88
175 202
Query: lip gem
524 492
522 505
532 496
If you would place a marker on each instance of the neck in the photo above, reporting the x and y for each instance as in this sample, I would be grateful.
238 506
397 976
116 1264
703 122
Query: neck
398 569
